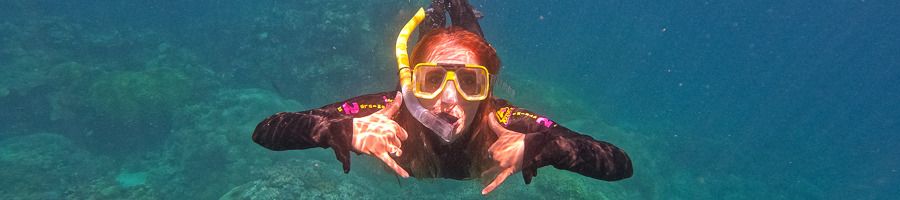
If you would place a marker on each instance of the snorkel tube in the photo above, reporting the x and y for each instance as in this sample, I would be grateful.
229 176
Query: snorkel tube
440 127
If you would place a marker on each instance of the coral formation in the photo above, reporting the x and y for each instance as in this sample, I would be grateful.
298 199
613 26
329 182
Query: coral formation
107 187
310 179
298 51
133 108
44 166
211 139
139 96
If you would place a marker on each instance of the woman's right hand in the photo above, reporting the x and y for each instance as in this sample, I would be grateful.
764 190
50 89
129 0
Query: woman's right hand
508 151
380 136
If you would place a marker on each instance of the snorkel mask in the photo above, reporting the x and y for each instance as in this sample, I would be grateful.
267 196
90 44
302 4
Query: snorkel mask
471 81
430 120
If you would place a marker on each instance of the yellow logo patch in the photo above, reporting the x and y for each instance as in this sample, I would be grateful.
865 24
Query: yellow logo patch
503 115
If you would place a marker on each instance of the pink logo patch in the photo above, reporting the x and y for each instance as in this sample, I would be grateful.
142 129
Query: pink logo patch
544 121
350 110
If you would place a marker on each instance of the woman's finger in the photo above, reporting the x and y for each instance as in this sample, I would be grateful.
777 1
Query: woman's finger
499 144
391 108
401 132
394 145
488 175
497 181
386 158
504 144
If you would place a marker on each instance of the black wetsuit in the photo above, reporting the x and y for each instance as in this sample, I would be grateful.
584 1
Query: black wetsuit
546 142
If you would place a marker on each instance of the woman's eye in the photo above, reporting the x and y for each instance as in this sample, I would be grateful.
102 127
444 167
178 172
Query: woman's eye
467 78
435 79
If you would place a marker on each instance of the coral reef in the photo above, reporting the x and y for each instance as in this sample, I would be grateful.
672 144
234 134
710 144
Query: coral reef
107 187
138 96
211 139
298 51
29 54
49 59
133 108
44 166
310 179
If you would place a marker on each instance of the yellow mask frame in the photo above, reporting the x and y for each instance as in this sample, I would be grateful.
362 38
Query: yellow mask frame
450 75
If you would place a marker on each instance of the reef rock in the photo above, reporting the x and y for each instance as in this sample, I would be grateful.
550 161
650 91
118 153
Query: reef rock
210 143
44 166
309 179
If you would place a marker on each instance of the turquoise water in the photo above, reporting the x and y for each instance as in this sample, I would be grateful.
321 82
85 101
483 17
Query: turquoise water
711 99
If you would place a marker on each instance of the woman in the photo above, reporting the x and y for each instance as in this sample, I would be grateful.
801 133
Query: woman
444 122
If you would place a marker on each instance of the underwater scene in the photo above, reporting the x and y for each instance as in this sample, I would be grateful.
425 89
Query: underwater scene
710 99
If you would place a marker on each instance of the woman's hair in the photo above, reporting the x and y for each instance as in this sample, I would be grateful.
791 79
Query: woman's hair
459 38
478 138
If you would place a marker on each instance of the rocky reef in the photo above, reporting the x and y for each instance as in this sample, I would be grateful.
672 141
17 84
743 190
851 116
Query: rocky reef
308 179
45 166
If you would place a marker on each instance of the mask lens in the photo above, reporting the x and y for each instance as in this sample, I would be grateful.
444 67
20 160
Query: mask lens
430 78
471 81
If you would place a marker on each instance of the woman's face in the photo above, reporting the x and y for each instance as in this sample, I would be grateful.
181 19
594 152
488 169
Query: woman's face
449 100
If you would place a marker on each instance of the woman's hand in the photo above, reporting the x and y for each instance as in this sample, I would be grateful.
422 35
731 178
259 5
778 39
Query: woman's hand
380 136
508 151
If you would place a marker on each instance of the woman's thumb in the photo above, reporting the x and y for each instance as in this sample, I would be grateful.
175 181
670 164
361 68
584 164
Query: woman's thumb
391 107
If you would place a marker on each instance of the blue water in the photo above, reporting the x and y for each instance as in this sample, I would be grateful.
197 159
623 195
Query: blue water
711 99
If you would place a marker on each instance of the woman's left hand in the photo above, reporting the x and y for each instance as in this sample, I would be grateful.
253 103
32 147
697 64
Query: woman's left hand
508 151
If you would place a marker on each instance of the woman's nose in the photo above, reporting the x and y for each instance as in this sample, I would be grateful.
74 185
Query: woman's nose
448 96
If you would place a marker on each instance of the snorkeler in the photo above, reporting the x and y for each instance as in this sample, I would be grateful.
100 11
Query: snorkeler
442 121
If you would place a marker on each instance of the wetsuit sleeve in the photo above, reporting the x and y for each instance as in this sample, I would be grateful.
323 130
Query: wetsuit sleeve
548 143
330 126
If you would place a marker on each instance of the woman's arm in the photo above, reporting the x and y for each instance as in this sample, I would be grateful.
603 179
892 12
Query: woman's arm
548 143
330 126
568 150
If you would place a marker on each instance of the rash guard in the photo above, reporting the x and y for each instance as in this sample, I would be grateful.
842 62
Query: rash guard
546 142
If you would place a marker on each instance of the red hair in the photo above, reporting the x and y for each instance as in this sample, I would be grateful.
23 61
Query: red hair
456 37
